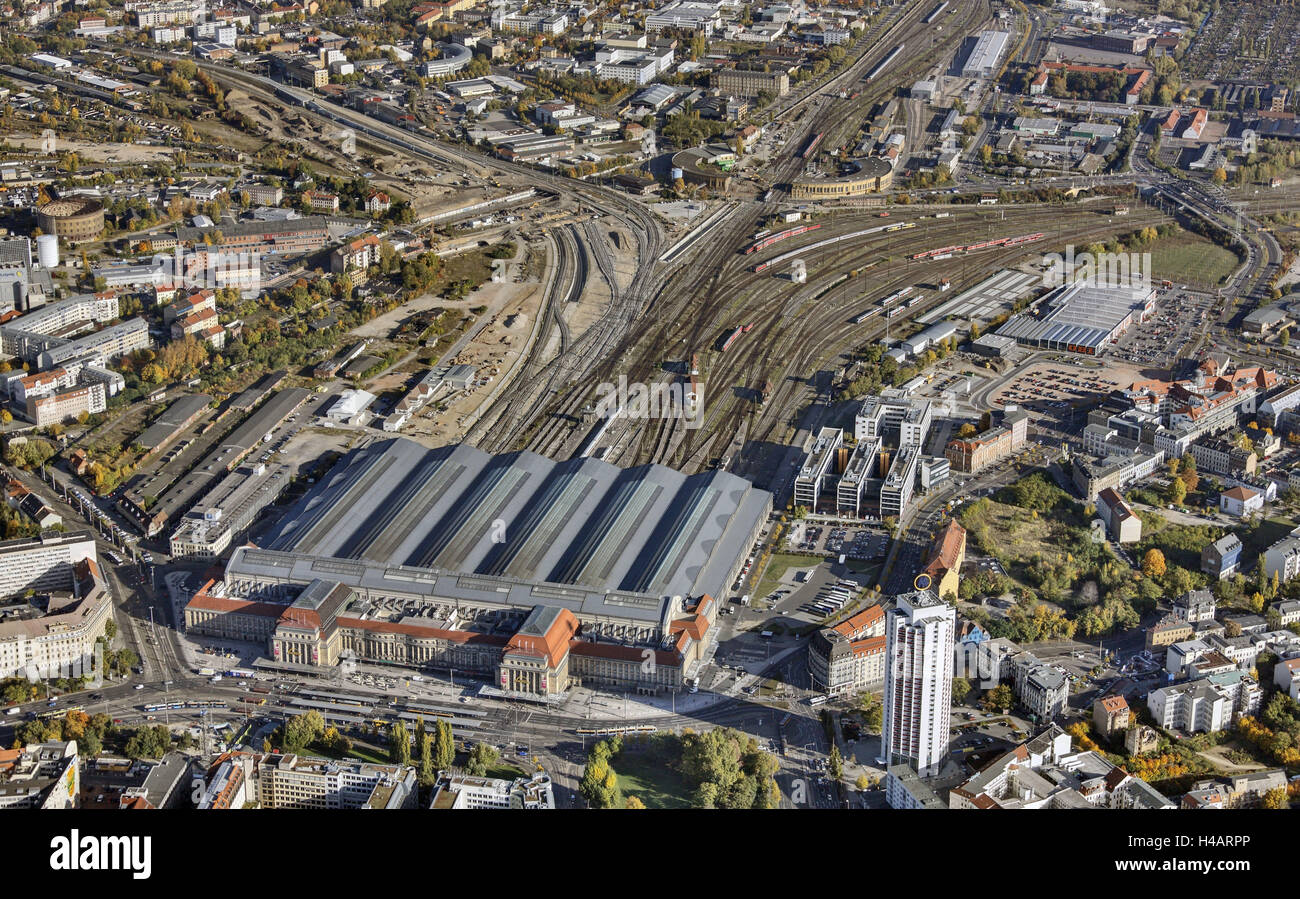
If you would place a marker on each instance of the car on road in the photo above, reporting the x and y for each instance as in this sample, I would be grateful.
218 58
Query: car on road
139 686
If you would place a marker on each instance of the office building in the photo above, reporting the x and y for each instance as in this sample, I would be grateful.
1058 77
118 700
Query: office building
893 419
849 657
301 782
900 481
919 633
817 465
457 790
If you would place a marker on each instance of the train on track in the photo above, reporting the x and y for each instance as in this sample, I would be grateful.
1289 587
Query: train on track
811 146
762 243
895 296
733 337
863 316
946 252
612 731
883 64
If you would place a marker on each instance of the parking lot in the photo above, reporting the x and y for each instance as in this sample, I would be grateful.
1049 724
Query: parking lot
861 544
1163 338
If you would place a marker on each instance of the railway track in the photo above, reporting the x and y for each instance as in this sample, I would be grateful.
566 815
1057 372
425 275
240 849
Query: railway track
818 337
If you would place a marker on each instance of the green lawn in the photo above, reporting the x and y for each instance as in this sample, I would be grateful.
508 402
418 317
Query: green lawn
653 783
363 751
503 770
1191 258
777 566
1270 531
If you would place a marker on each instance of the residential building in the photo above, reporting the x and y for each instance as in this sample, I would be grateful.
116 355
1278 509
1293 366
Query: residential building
1286 676
1110 715
1121 521
1195 606
1283 557
1206 705
1215 455
1235 791
67 404
944 560
1221 558
1288 611
1045 772
1167 631
40 776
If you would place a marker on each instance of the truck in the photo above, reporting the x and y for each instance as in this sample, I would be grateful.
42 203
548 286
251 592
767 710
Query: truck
206 672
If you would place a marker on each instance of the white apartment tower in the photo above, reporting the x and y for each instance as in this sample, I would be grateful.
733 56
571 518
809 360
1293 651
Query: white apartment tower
918 681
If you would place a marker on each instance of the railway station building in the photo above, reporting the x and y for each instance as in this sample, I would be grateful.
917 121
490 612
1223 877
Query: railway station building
537 574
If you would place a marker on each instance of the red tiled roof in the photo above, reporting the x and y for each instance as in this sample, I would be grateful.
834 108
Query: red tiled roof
860 622
553 644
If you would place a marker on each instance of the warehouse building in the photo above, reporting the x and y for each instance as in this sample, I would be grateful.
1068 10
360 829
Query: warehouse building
982 61
1081 318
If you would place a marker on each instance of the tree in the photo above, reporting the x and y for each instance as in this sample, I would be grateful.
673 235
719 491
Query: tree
427 771
1000 697
633 802
481 758
399 744
1276 798
835 766
301 731
1177 491
863 783
444 745
1153 563
961 688
966 431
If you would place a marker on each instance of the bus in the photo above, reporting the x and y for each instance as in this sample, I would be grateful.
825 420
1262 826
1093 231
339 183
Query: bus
767 635
816 700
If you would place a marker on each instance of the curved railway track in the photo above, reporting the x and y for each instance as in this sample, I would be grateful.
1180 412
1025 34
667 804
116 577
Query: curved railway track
783 347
